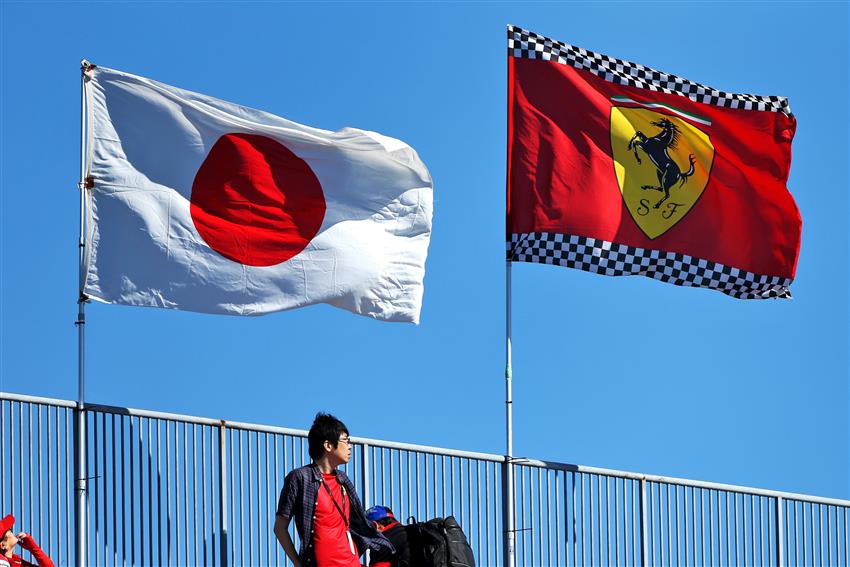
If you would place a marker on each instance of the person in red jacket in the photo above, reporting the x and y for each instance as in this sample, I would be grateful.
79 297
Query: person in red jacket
8 541
384 521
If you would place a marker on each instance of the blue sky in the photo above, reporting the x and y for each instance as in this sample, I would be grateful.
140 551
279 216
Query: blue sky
624 373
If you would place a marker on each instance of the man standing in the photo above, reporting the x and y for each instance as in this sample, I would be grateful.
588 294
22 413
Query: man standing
8 541
328 515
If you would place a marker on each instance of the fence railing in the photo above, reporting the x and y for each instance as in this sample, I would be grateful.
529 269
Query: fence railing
167 489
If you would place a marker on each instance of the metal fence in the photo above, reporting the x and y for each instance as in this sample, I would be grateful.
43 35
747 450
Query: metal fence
166 489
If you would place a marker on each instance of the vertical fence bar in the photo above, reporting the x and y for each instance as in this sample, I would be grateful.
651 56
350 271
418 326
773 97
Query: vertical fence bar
240 434
669 543
177 522
788 510
364 483
114 458
780 534
573 523
607 519
812 531
265 533
644 535
651 505
215 507
469 515
761 530
194 507
726 530
123 455
158 496
167 493
627 523
150 495
486 509
701 519
507 511
94 508
677 530
719 527
103 486
820 535
59 516
68 483
224 540
187 503
539 517
685 517
598 518
743 521
21 463
434 477
38 465
30 515
829 535
582 503
19 483
364 475
274 500
374 485
50 501
250 501
478 504
3 446
234 515
710 530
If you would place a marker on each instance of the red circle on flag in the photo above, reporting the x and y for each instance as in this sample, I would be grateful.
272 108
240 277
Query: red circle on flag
255 202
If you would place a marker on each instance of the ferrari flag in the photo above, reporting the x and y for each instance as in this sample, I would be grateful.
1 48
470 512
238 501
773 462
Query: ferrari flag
199 204
618 169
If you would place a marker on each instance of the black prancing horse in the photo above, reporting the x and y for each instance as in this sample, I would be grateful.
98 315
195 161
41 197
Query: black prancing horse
656 148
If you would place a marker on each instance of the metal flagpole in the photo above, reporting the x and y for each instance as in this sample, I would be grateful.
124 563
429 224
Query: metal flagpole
80 419
508 493
508 481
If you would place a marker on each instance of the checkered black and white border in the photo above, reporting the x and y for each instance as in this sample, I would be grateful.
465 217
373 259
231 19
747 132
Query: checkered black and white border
529 45
612 259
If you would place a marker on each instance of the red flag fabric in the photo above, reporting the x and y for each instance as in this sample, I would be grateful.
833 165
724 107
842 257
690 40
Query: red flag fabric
618 169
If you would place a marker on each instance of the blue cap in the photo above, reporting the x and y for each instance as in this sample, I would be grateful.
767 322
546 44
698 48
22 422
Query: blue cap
376 513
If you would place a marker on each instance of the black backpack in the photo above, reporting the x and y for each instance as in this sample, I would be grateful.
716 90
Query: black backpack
438 543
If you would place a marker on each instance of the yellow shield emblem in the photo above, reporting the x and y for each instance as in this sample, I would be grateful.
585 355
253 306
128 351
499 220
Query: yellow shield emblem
662 163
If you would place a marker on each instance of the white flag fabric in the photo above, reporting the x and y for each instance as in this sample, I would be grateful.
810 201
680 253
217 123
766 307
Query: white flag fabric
203 205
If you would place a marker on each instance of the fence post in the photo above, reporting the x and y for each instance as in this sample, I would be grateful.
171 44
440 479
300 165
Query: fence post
80 492
364 473
780 533
508 533
364 487
224 542
644 537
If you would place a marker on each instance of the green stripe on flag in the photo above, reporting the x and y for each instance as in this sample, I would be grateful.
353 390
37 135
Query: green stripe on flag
673 109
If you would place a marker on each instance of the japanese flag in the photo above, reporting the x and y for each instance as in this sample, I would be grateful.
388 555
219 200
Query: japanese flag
199 204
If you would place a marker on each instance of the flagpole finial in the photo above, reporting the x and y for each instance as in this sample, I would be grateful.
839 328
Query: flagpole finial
86 66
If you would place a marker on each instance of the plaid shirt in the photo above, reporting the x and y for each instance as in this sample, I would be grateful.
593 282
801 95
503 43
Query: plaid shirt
298 501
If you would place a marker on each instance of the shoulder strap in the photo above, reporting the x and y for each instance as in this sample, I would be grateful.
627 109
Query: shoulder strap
338 509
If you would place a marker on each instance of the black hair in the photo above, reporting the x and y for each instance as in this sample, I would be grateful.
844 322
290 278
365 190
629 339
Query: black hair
325 428
3 536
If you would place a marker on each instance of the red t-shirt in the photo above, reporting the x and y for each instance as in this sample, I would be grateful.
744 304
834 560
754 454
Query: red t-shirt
330 538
